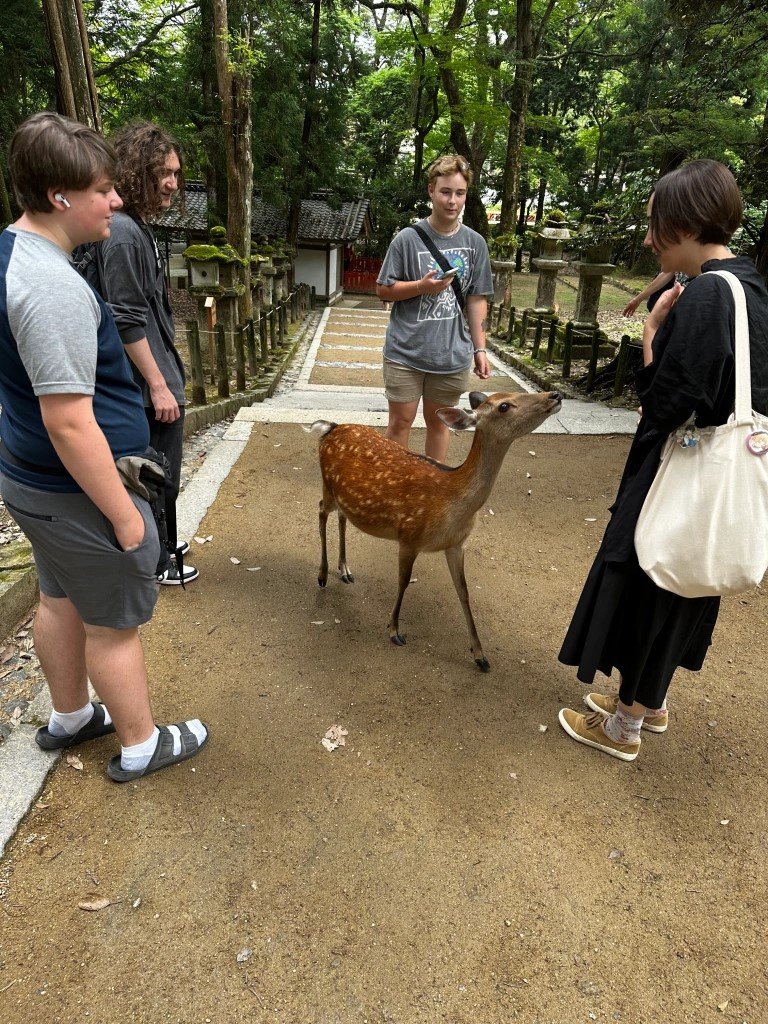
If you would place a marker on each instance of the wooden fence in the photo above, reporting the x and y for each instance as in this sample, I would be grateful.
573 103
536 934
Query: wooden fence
513 328
252 346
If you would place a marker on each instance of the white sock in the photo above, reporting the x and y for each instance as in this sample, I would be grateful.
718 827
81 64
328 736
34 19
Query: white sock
138 756
69 722
623 727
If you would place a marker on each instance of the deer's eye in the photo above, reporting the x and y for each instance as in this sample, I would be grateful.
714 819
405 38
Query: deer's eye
504 407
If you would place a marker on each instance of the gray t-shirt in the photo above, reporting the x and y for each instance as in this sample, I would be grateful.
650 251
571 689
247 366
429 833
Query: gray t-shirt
429 332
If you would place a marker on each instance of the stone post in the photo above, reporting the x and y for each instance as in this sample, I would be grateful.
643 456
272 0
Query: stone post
502 277
592 269
551 237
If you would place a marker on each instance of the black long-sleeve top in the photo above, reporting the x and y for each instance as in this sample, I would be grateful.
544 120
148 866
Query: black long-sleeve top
692 371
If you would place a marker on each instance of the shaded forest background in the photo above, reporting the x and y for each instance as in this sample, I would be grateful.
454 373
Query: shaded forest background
561 104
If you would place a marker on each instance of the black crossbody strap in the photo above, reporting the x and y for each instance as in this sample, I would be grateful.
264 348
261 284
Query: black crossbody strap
442 262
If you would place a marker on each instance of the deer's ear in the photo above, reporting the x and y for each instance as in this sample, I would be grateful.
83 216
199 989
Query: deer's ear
457 418
477 398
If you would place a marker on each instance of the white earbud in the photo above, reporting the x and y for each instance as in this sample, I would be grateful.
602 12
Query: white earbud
60 198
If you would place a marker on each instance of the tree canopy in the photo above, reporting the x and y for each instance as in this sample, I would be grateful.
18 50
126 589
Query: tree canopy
568 104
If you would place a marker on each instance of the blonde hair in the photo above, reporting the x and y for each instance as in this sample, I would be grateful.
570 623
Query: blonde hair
444 166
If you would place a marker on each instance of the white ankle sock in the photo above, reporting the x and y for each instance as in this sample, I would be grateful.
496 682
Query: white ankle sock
69 722
623 727
138 756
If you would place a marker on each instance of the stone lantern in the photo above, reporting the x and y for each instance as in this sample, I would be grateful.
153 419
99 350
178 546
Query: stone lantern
595 265
552 236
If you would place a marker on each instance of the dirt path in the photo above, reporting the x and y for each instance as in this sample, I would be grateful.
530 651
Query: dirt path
454 862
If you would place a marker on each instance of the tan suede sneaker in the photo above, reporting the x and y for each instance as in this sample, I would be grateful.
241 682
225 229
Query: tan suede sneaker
656 722
588 729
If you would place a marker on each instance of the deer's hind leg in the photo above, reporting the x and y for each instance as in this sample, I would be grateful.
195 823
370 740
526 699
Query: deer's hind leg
346 575
455 558
327 505
406 560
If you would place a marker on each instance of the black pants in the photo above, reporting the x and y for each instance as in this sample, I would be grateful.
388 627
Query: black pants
167 438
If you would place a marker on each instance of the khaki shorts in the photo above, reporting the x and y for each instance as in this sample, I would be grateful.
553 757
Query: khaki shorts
404 384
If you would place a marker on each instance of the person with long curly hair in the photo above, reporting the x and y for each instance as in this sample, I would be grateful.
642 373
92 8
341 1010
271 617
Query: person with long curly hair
133 280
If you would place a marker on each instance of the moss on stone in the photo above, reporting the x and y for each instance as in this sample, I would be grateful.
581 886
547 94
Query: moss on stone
213 254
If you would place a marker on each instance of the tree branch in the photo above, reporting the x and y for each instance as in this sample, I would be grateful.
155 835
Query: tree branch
126 58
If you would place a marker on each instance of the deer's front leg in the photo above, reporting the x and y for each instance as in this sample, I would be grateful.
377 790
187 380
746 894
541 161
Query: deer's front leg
455 558
406 560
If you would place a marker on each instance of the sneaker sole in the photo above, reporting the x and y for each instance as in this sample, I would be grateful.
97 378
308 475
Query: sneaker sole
596 707
591 743
177 583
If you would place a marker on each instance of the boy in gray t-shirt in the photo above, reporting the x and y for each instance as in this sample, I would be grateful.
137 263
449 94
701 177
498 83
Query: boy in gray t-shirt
431 344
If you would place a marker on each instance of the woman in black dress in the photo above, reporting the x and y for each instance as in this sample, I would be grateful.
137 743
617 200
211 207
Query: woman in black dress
622 619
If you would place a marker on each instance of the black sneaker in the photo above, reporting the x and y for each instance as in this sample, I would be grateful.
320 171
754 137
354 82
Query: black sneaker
172 577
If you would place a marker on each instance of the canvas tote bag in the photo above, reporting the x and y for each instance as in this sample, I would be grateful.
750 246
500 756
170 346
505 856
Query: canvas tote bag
703 529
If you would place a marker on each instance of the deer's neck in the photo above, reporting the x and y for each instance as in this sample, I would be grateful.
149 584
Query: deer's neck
478 473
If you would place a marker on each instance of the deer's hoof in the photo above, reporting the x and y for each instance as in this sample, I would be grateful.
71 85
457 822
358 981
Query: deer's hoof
321 582
347 577
398 639
483 664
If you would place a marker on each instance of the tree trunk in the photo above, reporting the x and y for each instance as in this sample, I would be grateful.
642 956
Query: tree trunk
521 89
214 161
235 92
75 89
6 215
294 214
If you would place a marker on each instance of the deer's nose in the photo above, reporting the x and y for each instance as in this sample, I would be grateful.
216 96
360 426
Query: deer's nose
555 396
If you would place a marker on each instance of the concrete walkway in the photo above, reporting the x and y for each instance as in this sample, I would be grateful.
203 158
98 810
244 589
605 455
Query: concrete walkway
347 350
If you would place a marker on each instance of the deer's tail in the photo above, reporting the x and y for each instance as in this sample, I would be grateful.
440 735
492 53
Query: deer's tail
321 427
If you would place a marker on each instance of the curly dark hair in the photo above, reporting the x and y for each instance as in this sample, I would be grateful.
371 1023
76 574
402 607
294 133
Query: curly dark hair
142 149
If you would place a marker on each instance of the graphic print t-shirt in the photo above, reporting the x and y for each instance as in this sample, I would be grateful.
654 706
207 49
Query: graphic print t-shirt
429 332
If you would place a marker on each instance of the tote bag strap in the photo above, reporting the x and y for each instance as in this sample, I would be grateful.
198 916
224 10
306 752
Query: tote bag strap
743 407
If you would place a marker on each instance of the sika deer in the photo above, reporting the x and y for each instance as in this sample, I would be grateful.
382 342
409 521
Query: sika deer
390 492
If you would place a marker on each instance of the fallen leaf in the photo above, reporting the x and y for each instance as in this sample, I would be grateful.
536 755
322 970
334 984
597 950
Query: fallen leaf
244 955
74 762
513 775
136 903
317 622
615 854
253 568
94 905
234 561
543 728
722 1007
200 540
277 445
335 737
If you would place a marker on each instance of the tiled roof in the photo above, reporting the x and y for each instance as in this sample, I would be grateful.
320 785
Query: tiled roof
318 222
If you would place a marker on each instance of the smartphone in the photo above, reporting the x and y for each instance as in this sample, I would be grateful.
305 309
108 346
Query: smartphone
441 275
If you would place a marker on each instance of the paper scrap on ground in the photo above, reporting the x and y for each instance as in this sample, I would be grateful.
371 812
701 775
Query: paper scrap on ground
335 737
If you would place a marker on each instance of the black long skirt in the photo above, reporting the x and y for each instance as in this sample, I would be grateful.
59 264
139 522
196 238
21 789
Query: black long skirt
624 621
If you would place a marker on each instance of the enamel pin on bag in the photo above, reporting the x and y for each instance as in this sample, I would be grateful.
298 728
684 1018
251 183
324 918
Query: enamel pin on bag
703 528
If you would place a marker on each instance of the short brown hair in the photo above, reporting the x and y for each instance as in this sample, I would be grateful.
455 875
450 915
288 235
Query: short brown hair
447 165
142 149
702 199
50 151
